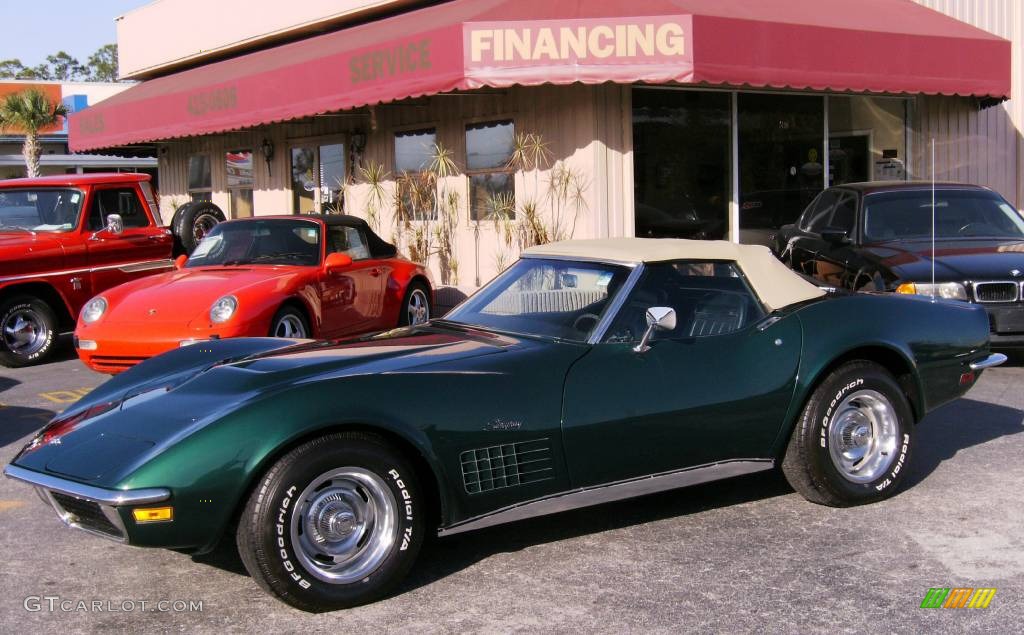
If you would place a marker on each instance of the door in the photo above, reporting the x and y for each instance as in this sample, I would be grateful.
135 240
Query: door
141 249
353 299
318 178
717 387
817 250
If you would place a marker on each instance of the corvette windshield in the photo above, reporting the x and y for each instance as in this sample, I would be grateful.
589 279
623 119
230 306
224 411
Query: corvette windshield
40 210
548 298
958 214
266 242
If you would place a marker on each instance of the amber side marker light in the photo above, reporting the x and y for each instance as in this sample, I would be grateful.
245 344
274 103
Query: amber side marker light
153 514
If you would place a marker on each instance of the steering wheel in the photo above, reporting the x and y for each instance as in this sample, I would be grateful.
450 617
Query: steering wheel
581 318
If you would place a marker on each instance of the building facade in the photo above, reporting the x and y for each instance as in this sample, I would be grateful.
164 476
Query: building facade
465 130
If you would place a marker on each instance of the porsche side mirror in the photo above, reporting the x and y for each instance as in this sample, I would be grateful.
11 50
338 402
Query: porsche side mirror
659 318
115 224
179 262
336 262
835 236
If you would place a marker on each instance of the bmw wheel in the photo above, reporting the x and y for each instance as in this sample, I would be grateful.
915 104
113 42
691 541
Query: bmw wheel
852 442
28 331
335 523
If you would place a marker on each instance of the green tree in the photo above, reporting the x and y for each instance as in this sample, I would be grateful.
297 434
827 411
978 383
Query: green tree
65 68
14 69
102 65
30 111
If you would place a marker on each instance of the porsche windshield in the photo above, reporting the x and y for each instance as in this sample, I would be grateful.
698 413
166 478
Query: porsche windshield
40 209
958 214
266 242
548 298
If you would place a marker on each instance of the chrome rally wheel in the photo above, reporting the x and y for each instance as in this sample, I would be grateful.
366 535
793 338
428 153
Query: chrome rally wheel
28 331
345 525
863 436
335 522
852 441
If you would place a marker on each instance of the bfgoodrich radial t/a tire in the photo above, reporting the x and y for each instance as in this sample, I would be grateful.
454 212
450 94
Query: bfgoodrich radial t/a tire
28 331
852 442
336 522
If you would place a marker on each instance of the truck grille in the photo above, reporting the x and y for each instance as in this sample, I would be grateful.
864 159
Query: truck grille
86 515
508 465
996 291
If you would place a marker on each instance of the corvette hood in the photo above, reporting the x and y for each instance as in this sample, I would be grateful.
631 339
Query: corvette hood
179 296
144 410
955 260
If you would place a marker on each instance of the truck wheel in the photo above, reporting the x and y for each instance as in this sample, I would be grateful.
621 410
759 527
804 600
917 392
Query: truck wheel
28 331
336 522
852 442
192 222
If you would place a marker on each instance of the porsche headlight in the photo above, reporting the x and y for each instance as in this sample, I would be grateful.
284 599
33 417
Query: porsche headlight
94 310
223 309
944 290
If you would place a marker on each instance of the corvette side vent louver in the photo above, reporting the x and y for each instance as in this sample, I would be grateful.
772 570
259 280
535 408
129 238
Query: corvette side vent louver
507 465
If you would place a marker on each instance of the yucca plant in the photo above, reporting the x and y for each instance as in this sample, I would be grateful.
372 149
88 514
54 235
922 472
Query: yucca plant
374 176
30 111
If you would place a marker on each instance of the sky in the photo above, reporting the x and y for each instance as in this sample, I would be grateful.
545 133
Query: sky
37 28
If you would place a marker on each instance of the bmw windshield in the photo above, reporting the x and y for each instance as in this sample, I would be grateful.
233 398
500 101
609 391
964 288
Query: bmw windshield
275 241
547 298
40 209
958 214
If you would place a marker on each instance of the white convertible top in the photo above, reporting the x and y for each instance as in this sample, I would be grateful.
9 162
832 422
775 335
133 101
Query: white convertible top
774 283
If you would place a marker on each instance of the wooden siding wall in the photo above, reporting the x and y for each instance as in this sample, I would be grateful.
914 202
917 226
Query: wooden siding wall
586 127
981 146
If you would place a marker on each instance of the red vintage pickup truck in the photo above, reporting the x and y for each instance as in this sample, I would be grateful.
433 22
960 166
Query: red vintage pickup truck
65 238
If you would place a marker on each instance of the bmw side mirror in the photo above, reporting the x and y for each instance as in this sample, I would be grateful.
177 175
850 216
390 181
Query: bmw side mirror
115 225
336 262
659 318
835 236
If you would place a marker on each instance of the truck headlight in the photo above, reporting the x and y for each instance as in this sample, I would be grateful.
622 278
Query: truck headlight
223 309
944 290
94 310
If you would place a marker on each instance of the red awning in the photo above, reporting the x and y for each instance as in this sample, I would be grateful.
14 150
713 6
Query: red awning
878 46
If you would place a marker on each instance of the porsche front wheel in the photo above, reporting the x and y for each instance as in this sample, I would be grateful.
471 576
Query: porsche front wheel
336 522
289 322
852 442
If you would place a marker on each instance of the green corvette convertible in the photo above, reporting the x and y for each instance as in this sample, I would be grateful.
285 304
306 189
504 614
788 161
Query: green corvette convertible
588 372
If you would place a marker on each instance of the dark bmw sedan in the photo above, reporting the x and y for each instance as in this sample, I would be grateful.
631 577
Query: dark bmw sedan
878 237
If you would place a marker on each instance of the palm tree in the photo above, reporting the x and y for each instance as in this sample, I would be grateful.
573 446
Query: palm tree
29 112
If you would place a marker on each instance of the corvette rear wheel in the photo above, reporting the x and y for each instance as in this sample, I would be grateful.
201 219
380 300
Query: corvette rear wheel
334 523
852 442
28 331
289 322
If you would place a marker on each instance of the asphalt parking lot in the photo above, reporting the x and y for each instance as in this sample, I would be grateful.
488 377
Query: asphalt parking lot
746 555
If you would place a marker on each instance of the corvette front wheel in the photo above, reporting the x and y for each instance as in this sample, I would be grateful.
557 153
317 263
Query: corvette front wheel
852 442
335 523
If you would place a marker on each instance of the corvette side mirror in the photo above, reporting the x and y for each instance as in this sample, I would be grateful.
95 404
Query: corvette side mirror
659 318
835 236
179 262
115 224
336 262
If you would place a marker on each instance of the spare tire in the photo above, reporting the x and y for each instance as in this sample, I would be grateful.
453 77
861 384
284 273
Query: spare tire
192 222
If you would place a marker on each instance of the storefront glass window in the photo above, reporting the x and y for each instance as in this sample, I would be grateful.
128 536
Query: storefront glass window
199 178
781 160
867 139
681 163
414 150
332 178
238 166
489 148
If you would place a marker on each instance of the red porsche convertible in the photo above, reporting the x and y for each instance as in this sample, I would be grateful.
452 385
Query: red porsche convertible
283 276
